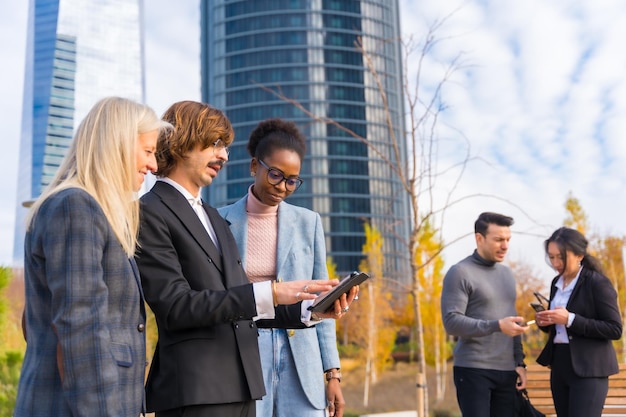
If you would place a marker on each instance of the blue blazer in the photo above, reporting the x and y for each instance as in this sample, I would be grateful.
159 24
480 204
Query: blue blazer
301 254
84 318
598 321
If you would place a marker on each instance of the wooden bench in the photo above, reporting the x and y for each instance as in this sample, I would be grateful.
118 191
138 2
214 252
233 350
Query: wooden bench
538 388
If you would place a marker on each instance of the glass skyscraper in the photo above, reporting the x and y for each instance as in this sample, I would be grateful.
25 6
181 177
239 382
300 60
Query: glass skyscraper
78 51
306 49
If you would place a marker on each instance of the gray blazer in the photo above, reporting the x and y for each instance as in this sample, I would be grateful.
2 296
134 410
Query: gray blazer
84 317
301 254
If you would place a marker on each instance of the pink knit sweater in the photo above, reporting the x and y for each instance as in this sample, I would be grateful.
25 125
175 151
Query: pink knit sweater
262 239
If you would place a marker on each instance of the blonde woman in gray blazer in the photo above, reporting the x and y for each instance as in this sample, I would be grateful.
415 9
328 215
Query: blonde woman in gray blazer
84 319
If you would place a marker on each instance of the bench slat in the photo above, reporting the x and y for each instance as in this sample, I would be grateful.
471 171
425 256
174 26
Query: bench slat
538 387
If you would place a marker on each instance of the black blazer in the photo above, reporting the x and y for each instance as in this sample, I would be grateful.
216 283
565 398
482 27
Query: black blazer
207 351
597 323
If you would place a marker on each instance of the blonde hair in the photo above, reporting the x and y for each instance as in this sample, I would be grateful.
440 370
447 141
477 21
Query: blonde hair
101 161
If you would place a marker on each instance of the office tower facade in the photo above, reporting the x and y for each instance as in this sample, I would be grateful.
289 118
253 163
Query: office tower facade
306 50
78 51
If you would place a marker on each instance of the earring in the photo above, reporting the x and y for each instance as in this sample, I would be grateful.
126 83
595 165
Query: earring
252 174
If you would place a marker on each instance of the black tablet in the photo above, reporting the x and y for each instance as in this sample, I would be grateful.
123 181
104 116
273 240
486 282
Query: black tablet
326 301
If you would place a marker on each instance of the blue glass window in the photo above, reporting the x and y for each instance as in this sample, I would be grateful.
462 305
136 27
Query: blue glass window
265 76
335 56
352 6
346 166
342 22
256 23
257 94
349 186
266 40
349 148
246 7
344 75
281 56
340 39
350 205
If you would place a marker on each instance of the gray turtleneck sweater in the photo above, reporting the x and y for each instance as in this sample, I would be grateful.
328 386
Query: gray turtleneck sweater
476 294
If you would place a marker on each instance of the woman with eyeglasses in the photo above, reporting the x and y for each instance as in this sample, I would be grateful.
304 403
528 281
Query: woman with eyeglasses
282 242
582 320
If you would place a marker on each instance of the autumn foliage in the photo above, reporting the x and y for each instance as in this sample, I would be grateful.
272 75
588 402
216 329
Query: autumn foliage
12 344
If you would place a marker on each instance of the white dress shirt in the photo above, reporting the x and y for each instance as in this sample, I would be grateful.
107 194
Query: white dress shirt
561 298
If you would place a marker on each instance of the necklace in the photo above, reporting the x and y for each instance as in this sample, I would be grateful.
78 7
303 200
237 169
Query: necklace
567 282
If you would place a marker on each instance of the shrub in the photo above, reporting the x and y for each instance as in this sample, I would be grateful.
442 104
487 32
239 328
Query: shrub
10 365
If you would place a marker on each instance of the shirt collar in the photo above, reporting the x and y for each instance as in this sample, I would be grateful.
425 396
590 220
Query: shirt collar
559 283
192 200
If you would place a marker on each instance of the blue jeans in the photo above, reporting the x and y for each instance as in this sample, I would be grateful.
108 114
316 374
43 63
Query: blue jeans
485 392
284 396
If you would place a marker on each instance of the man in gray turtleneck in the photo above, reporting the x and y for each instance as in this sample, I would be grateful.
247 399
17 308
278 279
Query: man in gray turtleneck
478 307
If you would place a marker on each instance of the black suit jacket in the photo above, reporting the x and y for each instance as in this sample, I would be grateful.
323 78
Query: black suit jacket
207 351
597 322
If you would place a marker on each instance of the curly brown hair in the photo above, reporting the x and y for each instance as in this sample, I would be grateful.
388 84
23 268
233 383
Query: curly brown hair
195 125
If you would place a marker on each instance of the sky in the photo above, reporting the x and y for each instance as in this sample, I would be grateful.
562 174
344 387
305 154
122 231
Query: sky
538 102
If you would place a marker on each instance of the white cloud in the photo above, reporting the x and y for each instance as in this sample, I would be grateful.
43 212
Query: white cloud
13 49
172 52
541 102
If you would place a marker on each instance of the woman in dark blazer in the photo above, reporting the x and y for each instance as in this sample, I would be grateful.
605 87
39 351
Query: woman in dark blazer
85 319
582 320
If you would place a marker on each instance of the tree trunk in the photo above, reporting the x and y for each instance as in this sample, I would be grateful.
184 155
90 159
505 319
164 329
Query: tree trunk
370 363
421 386
438 366
366 385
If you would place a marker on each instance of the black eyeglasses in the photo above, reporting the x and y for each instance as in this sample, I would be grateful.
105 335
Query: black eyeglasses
275 177
218 145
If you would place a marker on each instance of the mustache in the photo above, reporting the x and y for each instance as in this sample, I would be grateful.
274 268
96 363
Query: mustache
218 162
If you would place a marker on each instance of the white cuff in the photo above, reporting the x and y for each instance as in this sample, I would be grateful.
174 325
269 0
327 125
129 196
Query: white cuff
570 319
264 300
305 314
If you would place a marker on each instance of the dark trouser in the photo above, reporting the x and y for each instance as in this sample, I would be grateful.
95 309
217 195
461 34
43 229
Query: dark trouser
246 409
485 392
575 396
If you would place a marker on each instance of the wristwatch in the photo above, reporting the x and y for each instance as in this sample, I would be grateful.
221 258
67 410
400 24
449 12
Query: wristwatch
333 374
521 365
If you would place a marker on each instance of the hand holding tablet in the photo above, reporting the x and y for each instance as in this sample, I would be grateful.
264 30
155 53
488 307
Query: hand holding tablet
326 300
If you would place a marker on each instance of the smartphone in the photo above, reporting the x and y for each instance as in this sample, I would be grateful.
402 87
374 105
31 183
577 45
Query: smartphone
537 307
